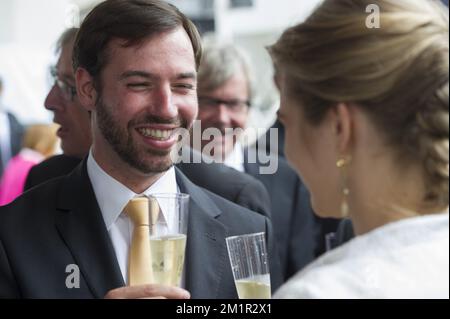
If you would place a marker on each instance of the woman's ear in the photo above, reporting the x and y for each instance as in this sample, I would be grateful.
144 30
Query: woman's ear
343 127
87 94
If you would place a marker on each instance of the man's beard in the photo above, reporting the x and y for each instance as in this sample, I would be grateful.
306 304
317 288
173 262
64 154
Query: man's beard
139 157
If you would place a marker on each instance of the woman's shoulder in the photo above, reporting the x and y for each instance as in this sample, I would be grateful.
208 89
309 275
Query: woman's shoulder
332 276
381 264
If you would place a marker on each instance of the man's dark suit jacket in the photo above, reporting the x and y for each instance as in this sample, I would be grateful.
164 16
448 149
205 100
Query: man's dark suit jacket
52 167
292 216
265 143
226 182
59 223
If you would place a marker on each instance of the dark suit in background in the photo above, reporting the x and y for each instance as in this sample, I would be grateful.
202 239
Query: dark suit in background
52 167
345 232
228 183
59 223
16 131
264 141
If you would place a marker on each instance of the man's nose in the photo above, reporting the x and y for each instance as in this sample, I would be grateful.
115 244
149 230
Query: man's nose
163 103
54 101
223 114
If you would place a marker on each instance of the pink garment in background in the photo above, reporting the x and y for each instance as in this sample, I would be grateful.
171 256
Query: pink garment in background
15 174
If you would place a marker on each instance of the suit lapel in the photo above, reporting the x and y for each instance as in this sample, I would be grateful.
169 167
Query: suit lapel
82 228
206 254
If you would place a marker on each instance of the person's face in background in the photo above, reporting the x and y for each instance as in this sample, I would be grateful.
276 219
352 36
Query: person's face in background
225 107
74 120
147 92
312 152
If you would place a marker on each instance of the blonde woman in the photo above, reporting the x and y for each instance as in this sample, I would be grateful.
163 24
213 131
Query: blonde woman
39 143
366 112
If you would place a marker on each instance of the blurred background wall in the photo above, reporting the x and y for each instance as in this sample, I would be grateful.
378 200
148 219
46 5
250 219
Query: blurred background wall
28 29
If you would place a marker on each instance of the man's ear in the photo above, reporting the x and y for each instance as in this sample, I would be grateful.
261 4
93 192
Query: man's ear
87 94
343 121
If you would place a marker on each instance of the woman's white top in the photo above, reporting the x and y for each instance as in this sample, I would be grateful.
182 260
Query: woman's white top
404 259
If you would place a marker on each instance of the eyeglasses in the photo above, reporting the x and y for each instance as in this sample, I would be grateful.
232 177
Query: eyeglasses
233 105
68 92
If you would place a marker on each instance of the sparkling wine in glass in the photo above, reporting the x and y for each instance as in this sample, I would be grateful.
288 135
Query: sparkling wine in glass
250 265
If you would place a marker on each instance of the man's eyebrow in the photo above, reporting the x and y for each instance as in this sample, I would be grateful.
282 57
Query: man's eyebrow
150 76
187 75
142 74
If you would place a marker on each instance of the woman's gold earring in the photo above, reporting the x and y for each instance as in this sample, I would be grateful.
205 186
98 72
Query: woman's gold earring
342 165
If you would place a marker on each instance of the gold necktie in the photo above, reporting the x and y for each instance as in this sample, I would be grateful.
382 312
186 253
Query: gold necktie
140 264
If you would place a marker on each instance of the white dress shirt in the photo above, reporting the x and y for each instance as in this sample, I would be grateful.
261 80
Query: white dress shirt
236 158
112 197
404 259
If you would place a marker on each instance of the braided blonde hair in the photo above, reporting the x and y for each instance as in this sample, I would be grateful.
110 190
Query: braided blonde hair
398 74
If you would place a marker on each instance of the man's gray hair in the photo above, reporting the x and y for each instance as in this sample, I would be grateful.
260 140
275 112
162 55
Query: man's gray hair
219 63
67 37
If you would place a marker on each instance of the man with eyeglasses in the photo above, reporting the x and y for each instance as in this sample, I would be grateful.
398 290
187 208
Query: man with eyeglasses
223 114
74 120
225 93
224 101
75 130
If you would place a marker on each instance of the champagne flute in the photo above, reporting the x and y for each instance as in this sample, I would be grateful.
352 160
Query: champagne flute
168 237
250 265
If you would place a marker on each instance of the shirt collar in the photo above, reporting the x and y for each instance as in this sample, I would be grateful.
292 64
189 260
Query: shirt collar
112 196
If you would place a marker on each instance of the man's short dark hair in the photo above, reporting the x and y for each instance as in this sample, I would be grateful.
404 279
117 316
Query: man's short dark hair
132 21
